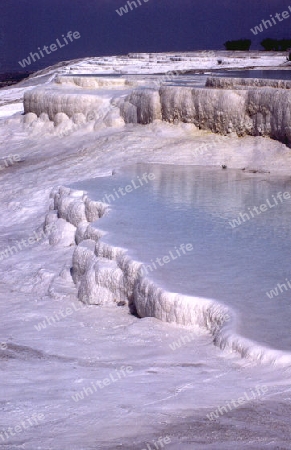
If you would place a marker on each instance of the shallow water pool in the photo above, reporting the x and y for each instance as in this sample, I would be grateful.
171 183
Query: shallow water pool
236 264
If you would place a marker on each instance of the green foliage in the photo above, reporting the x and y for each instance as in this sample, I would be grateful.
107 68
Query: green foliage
285 44
277 45
241 44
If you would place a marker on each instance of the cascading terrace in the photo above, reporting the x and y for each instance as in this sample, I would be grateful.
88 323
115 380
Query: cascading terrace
252 107
105 275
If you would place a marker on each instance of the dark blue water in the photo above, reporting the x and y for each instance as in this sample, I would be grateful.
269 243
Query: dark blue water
265 74
199 80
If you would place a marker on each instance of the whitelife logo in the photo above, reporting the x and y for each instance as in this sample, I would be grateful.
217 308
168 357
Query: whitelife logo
172 255
221 319
10 251
267 23
53 48
160 443
243 217
113 377
274 292
260 391
124 9
23 425
135 184
55 318
9 161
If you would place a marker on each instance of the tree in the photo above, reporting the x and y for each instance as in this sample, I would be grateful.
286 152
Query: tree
285 44
241 44
276 45
269 44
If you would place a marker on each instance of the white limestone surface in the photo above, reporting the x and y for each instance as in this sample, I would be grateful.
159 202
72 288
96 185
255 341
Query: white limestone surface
44 367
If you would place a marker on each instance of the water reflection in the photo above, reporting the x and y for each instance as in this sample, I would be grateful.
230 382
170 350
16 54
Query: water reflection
195 205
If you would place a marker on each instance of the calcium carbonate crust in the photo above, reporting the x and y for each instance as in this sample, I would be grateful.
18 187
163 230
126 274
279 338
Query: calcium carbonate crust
105 275
253 107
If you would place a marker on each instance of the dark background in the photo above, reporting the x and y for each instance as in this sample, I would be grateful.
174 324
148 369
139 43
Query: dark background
156 26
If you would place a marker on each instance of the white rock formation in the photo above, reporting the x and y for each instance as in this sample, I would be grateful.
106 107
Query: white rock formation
94 82
251 108
143 105
233 83
53 101
256 112
105 275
